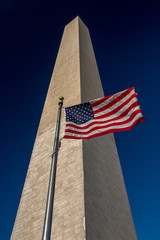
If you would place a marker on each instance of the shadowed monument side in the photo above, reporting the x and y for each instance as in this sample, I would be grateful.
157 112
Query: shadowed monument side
90 197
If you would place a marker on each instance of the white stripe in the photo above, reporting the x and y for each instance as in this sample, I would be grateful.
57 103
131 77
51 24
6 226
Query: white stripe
121 111
95 100
115 105
105 129
109 100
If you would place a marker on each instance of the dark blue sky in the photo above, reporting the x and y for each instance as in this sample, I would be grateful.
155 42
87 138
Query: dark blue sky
126 41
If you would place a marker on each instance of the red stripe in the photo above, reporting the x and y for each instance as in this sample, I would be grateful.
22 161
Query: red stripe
113 119
105 98
118 108
108 131
101 127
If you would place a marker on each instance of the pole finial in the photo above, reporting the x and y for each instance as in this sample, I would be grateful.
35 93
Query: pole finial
61 98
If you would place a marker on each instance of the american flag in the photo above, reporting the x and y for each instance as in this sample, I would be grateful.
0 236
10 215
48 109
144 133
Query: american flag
95 118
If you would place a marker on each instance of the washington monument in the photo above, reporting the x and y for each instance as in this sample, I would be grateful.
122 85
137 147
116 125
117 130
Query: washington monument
90 200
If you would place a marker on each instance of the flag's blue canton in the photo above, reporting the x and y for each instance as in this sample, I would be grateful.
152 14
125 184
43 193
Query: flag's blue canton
80 113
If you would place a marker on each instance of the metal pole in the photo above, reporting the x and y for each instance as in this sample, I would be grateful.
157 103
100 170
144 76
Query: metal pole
50 198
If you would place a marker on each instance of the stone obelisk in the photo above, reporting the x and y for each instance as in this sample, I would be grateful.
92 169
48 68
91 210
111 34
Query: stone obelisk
90 197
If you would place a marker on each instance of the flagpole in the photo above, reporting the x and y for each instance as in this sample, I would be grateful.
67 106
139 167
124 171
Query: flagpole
50 198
